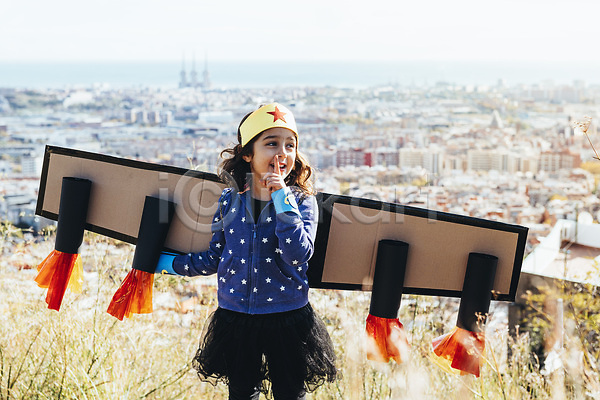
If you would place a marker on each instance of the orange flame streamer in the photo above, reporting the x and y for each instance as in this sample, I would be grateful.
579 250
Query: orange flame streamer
134 296
387 339
460 351
57 272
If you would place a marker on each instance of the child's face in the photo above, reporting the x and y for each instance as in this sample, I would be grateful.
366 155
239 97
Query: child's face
273 142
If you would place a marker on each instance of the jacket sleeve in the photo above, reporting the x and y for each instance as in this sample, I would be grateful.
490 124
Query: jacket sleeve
296 230
205 262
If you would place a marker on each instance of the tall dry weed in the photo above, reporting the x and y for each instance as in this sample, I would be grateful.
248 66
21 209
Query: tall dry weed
82 352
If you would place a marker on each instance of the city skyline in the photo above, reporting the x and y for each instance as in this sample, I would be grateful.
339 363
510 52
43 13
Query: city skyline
71 31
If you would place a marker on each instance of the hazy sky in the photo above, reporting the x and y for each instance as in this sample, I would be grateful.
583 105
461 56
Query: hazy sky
111 30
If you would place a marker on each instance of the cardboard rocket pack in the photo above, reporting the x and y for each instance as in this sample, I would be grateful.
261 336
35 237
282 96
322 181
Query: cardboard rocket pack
436 248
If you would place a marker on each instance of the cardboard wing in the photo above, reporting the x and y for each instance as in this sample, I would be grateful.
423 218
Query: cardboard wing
349 228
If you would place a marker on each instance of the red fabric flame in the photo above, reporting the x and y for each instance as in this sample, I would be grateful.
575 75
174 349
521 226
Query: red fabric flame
388 340
134 296
54 273
462 349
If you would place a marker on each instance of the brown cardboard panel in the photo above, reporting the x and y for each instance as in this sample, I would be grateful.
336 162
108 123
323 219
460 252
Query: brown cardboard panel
350 247
186 194
437 255
60 168
206 209
118 193
442 248
347 237
130 187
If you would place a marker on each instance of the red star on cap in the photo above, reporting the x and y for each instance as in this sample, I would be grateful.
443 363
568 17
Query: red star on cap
277 115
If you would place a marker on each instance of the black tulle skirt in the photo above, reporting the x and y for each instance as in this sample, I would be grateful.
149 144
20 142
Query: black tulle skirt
285 349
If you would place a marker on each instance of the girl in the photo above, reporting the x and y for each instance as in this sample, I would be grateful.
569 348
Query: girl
264 334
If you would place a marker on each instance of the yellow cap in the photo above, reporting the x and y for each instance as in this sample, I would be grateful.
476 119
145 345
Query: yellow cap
272 115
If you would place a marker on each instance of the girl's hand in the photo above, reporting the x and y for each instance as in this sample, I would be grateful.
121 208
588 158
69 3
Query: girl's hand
274 180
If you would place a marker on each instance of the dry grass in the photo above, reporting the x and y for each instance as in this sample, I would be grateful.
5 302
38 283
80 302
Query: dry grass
82 352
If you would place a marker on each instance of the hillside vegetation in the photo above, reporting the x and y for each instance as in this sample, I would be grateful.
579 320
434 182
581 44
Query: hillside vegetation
82 352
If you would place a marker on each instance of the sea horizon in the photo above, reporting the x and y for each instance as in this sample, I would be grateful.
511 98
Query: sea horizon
246 74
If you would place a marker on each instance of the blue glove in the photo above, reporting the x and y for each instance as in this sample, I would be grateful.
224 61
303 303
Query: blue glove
284 201
165 264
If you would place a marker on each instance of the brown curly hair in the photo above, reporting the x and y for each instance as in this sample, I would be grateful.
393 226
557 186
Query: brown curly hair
234 170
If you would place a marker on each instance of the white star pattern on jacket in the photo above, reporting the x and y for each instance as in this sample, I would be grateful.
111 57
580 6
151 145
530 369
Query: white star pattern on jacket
273 263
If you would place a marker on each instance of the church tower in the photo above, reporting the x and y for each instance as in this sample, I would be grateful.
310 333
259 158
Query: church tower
496 121
205 74
194 74
182 75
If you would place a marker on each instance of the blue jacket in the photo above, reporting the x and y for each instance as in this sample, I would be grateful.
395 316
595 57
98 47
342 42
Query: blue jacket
260 266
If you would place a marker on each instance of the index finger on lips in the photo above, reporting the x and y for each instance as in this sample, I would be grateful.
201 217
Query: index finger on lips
276 165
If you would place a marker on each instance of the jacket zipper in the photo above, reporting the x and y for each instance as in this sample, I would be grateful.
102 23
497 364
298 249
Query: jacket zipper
252 297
